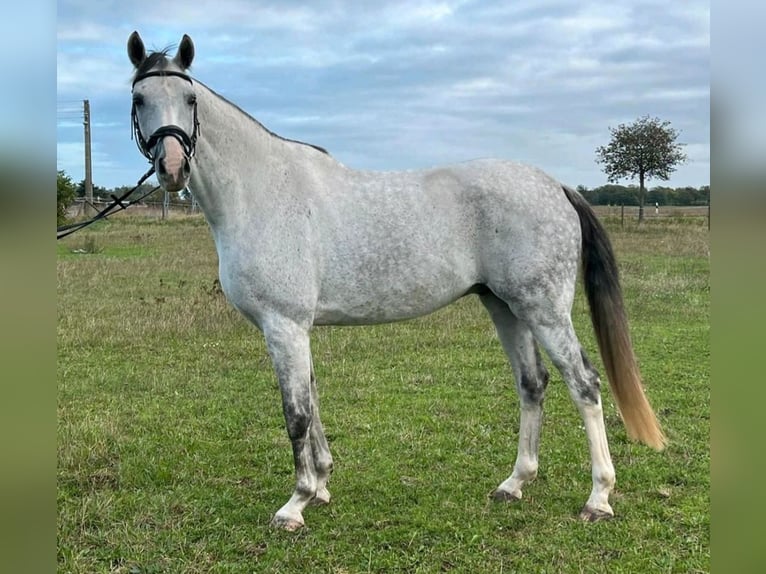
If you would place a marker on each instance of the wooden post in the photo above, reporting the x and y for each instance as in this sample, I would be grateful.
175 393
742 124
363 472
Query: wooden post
88 170
165 205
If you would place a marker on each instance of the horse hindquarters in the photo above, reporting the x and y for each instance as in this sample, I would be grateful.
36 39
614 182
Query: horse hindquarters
546 310
534 283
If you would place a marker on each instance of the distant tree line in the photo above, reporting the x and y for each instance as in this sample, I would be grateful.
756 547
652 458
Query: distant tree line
613 194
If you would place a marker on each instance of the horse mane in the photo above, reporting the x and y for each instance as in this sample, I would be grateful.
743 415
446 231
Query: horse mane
267 130
159 59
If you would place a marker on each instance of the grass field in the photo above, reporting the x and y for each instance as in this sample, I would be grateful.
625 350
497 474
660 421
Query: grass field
172 453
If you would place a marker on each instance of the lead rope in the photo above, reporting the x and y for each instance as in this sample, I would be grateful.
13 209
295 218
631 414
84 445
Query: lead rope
64 230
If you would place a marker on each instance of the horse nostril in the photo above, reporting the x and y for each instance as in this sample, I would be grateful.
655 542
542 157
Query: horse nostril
187 168
161 167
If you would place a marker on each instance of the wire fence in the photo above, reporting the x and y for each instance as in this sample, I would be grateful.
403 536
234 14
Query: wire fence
628 214
148 208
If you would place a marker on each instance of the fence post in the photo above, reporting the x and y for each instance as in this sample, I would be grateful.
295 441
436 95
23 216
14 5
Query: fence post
165 206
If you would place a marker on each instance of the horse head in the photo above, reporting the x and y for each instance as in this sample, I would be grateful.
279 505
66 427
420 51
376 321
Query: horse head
165 107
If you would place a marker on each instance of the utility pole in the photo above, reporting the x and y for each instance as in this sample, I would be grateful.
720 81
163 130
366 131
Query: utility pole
88 171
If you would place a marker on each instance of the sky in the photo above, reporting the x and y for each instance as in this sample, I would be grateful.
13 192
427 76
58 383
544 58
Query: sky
403 85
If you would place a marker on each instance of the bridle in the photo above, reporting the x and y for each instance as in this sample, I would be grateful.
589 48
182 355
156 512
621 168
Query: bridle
146 146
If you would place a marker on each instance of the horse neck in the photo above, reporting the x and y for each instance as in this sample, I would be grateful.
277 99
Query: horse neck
234 156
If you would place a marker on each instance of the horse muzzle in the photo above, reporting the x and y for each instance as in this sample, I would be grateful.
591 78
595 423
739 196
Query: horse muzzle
171 163
170 150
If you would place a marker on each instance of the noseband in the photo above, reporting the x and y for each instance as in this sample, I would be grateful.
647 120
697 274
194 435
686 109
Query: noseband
146 146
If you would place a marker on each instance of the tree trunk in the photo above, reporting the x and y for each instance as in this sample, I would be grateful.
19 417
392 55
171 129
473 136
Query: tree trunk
641 196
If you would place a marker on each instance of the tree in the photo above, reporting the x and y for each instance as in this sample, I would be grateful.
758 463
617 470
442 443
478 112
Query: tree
65 192
97 190
647 148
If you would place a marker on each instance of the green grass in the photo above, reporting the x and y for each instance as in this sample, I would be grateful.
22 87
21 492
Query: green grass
172 453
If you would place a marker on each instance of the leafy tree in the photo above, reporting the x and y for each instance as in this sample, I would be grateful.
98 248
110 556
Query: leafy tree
65 193
97 190
646 149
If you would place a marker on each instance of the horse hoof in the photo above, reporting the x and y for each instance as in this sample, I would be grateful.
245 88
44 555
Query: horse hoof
503 496
289 524
595 515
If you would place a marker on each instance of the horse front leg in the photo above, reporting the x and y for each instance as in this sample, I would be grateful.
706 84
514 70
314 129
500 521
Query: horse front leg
320 450
288 345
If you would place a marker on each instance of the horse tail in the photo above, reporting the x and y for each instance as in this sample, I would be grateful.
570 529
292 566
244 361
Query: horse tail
610 323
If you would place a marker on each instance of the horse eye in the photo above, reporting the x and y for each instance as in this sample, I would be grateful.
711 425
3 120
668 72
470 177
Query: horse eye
191 99
138 100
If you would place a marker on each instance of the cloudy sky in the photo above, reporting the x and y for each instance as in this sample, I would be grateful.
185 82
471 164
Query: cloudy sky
403 85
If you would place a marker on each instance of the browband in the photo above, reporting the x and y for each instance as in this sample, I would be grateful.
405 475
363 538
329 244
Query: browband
186 77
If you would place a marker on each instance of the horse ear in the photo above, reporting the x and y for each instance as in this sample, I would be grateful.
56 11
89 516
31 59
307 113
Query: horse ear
136 51
185 53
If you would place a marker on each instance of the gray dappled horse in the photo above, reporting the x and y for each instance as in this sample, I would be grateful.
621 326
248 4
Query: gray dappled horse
303 240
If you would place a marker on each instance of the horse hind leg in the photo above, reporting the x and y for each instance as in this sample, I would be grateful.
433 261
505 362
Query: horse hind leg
531 380
557 336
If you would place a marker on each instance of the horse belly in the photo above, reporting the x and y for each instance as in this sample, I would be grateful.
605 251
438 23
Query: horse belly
388 307
387 289
394 247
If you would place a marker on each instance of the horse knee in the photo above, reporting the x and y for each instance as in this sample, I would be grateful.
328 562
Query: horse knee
531 390
298 424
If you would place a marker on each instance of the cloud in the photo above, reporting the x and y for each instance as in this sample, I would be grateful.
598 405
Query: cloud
409 84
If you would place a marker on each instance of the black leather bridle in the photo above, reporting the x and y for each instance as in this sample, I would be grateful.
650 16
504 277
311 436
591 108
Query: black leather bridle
146 145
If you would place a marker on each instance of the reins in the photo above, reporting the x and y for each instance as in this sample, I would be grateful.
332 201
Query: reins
64 230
